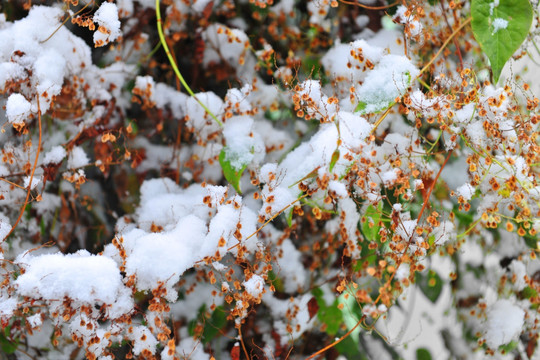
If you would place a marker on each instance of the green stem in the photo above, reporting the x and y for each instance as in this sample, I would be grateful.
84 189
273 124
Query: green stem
173 64
469 229
154 50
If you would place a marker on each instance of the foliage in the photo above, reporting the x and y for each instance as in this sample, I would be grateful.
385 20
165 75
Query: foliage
267 179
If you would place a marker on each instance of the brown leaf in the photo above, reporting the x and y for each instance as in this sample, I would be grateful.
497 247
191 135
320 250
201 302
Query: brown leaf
531 346
313 307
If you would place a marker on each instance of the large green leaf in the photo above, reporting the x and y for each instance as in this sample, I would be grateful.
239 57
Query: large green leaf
501 29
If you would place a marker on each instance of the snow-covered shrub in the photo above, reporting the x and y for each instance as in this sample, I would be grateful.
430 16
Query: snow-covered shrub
331 155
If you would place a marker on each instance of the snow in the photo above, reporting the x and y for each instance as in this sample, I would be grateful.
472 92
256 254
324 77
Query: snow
444 232
243 146
519 270
238 98
200 5
336 60
81 276
190 348
50 69
390 177
406 229
339 188
107 17
217 36
465 114
35 320
77 158
188 234
492 5
142 339
466 191
254 286
17 109
36 180
504 323
499 24
354 129
55 155
5 227
10 71
146 85
389 80
8 305
414 26
199 120
163 257
362 21
318 9
282 310
49 59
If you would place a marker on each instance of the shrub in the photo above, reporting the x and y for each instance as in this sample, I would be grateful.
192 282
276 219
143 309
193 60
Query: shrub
265 179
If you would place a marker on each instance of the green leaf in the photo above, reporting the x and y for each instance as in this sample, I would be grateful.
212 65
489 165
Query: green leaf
465 219
134 127
351 312
350 349
289 215
232 174
360 108
311 64
499 42
508 348
430 284
7 346
329 315
274 280
528 292
423 354
531 241
335 158
370 227
212 327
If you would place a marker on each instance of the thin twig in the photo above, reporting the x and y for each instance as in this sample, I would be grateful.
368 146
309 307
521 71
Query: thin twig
242 342
12 183
465 23
64 23
338 340
378 122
